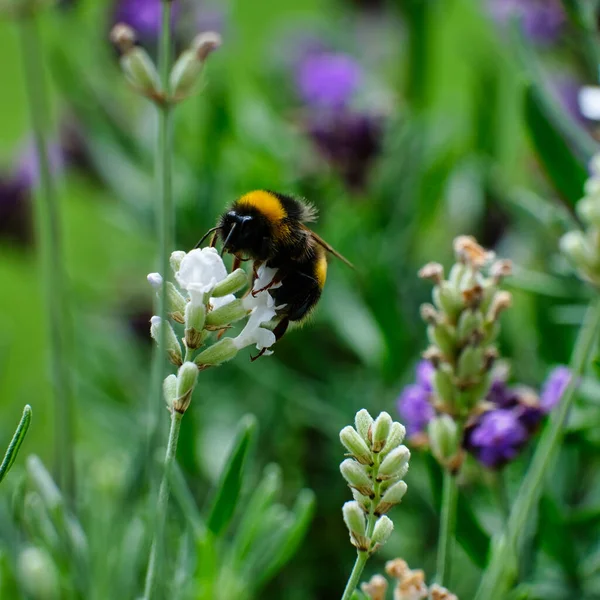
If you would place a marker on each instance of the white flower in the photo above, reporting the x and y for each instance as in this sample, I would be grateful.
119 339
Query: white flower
263 310
589 102
200 270
218 302
155 280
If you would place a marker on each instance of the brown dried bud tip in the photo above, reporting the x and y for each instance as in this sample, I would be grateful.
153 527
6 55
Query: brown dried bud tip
437 592
429 314
468 251
490 356
432 271
397 568
376 589
502 300
433 355
501 269
527 397
205 43
472 297
123 37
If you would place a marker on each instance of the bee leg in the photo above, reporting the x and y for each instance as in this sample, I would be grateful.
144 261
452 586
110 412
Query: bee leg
278 331
213 240
276 279
237 261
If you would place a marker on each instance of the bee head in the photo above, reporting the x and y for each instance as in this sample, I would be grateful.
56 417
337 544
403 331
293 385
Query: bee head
244 233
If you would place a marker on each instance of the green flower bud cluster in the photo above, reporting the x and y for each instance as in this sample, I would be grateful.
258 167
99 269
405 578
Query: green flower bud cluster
142 74
374 470
582 247
463 324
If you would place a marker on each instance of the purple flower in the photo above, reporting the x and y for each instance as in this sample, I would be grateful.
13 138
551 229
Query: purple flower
327 79
554 387
414 403
497 437
350 141
143 15
542 20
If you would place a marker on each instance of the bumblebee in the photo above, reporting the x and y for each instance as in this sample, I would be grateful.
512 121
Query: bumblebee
269 228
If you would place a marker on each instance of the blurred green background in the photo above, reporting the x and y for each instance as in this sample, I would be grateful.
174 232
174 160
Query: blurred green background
475 132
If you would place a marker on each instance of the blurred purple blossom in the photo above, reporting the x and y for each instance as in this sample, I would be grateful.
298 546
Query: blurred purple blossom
542 20
554 387
497 438
414 404
143 15
349 140
327 79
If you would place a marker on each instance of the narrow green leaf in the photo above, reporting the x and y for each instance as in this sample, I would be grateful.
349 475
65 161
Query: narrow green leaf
564 169
303 513
262 498
227 495
15 443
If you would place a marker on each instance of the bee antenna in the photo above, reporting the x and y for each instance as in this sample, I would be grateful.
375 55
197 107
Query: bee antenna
227 238
206 235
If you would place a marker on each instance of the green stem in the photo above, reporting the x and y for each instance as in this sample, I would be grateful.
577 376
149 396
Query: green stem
362 555
51 256
154 564
447 528
499 486
502 568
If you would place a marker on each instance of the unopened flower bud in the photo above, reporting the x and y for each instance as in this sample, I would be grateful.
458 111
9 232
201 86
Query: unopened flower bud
394 439
175 260
155 280
176 303
140 71
187 70
501 269
588 209
195 315
38 574
395 464
437 592
443 385
469 327
468 251
224 315
376 588
363 422
383 530
217 354
397 568
231 284
123 37
501 301
170 389
172 347
432 271
186 382
355 445
391 497
380 431
443 438
364 501
442 336
470 363
354 517
429 314
357 477
447 298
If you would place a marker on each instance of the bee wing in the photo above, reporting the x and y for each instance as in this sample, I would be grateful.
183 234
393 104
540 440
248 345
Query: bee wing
328 247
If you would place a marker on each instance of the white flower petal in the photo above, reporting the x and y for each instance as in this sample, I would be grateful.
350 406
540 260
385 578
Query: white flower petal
200 270
218 302
589 102
155 280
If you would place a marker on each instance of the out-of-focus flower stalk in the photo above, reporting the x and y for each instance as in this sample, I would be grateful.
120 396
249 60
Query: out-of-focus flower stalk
165 224
502 567
51 254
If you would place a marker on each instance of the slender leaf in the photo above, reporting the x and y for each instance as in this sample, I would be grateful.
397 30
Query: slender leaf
227 495
15 443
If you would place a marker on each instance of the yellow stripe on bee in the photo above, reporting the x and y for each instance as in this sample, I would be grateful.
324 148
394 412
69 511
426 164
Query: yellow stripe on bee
321 270
265 202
